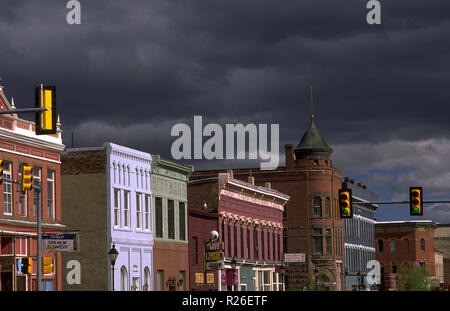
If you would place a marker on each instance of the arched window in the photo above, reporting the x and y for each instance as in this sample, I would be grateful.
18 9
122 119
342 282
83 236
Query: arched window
146 279
123 279
137 178
327 207
128 173
114 171
317 206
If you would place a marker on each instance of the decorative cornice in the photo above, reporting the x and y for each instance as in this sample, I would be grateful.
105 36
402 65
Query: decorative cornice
31 141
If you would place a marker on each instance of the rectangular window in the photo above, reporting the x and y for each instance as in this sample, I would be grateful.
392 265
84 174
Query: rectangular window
23 203
195 242
116 208
394 268
229 239
138 211
393 246
171 219
422 245
318 245
147 212
263 245
50 194
126 209
328 239
37 182
317 206
7 189
248 243
242 241
380 246
273 246
235 248
267 281
255 244
182 220
158 217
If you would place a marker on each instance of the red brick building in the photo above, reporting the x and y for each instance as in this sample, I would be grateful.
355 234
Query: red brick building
249 222
20 145
402 242
200 224
312 224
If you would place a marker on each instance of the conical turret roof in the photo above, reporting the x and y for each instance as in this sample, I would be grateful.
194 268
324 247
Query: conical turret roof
312 145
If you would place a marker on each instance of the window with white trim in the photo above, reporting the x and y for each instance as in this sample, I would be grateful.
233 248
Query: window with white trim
116 207
126 209
36 182
138 211
147 213
7 189
51 194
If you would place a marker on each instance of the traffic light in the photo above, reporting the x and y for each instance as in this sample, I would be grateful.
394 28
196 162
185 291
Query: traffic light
27 267
45 97
1 172
415 201
345 203
26 178
47 265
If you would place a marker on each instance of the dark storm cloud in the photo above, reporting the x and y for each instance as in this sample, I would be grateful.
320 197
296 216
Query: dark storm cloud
148 64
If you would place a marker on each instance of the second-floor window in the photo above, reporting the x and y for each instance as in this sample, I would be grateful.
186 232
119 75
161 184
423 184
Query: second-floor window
147 213
317 206
158 217
7 189
138 211
37 182
380 246
116 208
182 220
171 219
422 245
51 194
126 209
393 247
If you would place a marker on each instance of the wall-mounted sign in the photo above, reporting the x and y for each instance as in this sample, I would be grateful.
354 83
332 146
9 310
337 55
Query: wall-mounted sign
214 256
58 242
199 278
210 278
294 257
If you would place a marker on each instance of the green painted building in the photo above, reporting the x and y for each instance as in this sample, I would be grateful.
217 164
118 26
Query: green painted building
169 204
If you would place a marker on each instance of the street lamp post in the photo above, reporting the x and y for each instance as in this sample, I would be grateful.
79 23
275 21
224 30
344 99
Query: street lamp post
316 272
113 254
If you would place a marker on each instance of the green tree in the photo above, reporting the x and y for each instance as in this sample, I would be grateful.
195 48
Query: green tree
413 278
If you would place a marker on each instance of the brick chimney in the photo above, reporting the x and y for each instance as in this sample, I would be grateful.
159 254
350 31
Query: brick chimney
289 156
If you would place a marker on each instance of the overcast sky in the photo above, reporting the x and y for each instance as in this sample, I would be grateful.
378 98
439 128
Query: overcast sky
133 69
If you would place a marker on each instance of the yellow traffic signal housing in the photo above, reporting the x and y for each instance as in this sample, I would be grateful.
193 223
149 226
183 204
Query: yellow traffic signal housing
26 178
27 265
47 265
1 172
45 97
415 201
345 203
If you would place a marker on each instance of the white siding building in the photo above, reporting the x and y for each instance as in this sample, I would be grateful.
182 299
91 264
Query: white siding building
130 216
